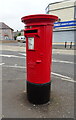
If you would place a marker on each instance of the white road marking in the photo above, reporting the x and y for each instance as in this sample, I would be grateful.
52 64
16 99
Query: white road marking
63 77
23 54
15 66
2 55
60 75
66 78
5 55
60 61
68 62
2 63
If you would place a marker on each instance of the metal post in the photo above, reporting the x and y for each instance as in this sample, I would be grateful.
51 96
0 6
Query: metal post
70 45
65 44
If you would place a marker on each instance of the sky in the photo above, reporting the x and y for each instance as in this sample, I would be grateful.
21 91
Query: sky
11 11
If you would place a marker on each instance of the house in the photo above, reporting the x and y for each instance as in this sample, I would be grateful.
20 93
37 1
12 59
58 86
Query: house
6 33
65 28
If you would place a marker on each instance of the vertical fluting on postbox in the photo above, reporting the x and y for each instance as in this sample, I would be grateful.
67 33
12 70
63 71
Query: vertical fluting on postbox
38 33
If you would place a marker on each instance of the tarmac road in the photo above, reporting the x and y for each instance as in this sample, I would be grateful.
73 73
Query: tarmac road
14 100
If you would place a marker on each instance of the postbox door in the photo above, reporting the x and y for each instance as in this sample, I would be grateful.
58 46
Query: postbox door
33 60
38 55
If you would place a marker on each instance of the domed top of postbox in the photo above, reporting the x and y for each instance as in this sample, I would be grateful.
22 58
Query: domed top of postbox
39 19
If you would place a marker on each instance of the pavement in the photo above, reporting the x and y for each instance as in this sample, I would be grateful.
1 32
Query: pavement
22 47
14 95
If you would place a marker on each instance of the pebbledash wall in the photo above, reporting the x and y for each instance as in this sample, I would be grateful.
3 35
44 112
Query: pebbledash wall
65 27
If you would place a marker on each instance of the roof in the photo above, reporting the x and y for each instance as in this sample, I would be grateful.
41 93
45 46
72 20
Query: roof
61 2
4 26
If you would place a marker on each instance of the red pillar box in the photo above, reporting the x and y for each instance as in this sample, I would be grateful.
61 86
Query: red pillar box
38 33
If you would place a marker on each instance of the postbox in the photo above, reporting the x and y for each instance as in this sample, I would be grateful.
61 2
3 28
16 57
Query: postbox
38 33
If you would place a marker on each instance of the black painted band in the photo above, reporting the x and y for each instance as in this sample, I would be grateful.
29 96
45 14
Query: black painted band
38 93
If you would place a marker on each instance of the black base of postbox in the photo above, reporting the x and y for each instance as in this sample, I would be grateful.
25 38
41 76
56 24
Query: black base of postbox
38 93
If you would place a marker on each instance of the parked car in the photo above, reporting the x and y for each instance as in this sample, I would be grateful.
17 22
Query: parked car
21 39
